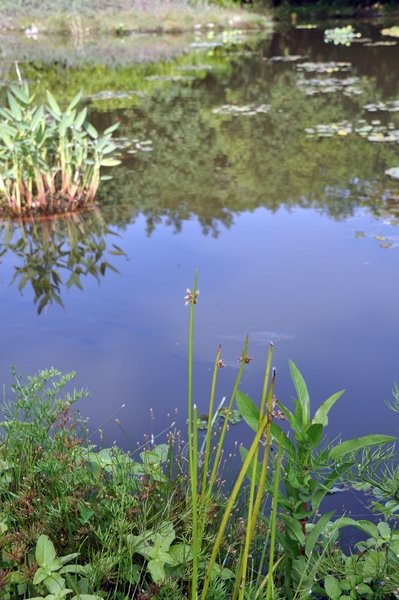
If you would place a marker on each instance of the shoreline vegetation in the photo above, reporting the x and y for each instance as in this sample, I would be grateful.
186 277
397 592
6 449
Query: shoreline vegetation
181 519
126 17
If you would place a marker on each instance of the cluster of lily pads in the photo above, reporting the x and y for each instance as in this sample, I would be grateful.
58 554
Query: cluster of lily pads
341 35
374 132
329 85
247 110
392 31
389 105
287 58
324 67
114 95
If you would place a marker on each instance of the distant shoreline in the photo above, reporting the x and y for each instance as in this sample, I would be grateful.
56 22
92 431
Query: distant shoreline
125 17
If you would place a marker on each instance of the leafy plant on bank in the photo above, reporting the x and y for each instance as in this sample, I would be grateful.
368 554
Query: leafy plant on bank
49 160
311 470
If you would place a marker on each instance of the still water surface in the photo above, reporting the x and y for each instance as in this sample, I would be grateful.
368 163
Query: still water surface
295 236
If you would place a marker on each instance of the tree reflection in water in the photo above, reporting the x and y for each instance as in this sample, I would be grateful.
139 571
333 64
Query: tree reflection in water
56 252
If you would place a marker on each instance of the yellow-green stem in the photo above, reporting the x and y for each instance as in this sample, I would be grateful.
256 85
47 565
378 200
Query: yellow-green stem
226 421
209 430
273 518
230 505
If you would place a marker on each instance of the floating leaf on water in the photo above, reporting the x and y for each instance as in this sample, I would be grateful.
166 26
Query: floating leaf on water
234 417
324 67
329 85
393 172
341 35
235 110
288 58
115 95
386 245
359 234
380 238
392 31
389 105
306 26
381 44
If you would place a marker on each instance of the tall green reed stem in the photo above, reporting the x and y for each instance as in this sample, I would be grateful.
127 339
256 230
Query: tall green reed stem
192 428
273 518
253 510
226 421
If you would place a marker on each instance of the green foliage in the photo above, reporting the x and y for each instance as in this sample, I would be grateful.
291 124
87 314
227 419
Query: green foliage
311 471
49 160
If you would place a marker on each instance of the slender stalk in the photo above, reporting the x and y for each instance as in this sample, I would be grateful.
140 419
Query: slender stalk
273 518
230 505
226 421
194 494
253 514
190 376
209 430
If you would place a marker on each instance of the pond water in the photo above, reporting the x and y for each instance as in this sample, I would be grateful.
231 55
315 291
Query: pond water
249 166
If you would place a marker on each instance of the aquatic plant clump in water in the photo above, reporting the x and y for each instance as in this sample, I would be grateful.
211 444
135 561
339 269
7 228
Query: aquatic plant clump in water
49 160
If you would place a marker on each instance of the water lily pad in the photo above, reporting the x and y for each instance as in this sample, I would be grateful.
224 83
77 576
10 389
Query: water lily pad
324 67
392 31
341 35
393 172
381 44
329 85
389 105
115 95
288 58
234 110
373 132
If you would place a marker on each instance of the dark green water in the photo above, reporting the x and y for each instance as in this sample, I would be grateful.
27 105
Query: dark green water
295 235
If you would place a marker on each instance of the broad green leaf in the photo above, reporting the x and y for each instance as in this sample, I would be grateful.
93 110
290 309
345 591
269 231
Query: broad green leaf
55 583
111 129
322 412
74 102
302 391
92 131
80 119
360 443
294 527
248 410
315 434
332 587
19 93
316 531
14 107
110 162
39 115
288 446
156 570
384 529
63 125
53 104
45 551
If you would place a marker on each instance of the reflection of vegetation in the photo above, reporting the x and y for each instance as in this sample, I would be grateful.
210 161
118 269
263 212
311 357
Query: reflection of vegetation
48 247
211 166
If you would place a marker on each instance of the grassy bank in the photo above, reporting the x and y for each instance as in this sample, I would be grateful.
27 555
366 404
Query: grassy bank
179 519
82 17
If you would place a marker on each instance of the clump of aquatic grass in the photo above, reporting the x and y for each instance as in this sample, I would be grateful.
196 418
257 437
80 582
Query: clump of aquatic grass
49 160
